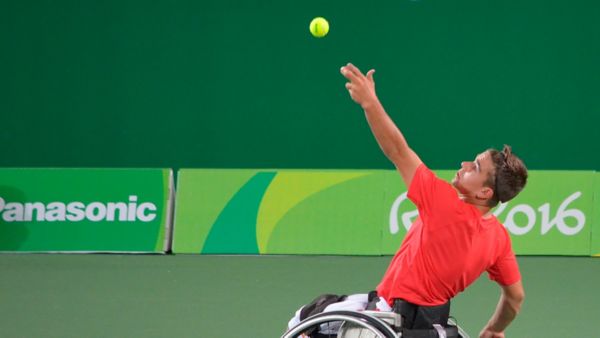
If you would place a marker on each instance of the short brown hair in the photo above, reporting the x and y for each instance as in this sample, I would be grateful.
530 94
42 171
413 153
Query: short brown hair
509 176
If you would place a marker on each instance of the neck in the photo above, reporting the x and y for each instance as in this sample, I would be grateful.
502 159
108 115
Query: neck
486 212
477 203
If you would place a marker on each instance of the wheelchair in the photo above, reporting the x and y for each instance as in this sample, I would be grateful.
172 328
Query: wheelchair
366 324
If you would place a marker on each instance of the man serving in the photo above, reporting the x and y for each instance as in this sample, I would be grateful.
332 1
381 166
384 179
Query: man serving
456 237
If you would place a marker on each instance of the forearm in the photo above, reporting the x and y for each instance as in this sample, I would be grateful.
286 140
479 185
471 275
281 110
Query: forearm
388 136
505 313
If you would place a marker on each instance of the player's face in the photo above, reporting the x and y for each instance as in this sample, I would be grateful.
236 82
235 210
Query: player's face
471 177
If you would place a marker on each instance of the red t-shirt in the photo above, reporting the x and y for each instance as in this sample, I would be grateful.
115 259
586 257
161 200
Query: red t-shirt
447 247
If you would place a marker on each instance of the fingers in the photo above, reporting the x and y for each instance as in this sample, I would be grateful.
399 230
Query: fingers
351 72
354 70
370 75
360 87
348 74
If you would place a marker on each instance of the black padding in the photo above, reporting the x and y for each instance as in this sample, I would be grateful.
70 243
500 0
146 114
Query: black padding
319 304
422 317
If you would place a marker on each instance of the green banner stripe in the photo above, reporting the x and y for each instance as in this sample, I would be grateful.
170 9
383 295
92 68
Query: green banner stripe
235 228
287 190
201 196
342 218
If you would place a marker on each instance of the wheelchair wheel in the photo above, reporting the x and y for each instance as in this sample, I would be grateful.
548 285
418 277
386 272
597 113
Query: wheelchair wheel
341 324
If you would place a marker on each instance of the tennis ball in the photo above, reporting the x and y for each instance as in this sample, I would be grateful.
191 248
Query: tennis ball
319 27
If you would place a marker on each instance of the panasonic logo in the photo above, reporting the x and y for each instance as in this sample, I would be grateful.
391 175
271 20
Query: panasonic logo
129 211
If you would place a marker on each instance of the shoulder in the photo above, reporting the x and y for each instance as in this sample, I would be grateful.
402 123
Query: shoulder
425 177
431 193
501 234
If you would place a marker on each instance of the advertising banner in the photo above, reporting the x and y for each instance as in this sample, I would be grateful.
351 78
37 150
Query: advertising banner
279 212
85 210
358 212
551 216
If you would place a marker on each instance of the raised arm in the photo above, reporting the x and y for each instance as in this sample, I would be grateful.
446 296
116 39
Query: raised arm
393 144
508 307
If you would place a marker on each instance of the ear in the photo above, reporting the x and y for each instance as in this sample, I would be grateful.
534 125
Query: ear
485 193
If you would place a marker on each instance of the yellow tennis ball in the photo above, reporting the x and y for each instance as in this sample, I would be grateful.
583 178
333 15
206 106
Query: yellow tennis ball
319 27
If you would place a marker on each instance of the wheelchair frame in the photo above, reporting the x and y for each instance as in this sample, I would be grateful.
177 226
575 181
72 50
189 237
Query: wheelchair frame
352 324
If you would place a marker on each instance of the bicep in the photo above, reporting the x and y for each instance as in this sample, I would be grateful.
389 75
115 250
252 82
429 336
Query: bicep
505 271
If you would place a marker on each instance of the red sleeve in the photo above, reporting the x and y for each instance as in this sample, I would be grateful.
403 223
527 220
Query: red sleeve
432 195
506 269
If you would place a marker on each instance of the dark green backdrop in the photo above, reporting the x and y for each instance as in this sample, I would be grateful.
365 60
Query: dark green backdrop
242 83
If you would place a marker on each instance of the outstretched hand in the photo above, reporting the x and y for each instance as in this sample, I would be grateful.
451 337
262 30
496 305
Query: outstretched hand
361 87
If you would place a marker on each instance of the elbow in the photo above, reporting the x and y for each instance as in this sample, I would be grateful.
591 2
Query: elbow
393 156
397 155
391 151
520 300
513 297
517 301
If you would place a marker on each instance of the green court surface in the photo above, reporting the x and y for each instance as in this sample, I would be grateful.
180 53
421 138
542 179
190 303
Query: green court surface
44 295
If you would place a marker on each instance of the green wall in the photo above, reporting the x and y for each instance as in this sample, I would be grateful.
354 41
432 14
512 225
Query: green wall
242 83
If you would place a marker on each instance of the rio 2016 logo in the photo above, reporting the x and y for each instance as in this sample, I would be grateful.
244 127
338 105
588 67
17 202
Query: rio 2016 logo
558 221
